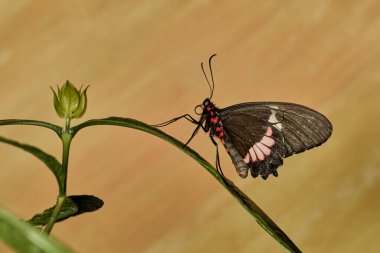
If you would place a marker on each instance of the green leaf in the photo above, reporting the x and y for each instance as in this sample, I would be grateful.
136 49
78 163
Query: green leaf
86 203
72 206
260 216
49 160
24 238
68 209
55 128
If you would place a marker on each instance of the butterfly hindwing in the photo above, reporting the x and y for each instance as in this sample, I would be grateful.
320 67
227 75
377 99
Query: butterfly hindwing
265 133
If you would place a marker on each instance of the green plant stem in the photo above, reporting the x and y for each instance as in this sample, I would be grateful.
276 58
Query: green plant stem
53 127
67 125
60 200
66 138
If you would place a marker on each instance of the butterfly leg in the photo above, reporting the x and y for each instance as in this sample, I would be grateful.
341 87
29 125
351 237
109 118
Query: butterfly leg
195 132
217 160
186 116
218 166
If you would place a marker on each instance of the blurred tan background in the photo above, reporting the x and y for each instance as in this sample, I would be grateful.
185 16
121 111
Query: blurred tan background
142 60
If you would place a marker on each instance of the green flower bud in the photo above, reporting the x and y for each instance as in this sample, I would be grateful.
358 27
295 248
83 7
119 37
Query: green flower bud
70 103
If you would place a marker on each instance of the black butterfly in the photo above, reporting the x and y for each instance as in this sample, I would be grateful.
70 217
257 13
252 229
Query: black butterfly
258 135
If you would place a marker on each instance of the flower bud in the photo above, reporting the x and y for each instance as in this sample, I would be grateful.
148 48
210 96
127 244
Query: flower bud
70 103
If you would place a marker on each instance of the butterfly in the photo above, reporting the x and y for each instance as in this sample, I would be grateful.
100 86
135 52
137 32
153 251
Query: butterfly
258 135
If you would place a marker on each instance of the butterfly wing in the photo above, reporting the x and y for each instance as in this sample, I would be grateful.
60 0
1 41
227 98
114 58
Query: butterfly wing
259 135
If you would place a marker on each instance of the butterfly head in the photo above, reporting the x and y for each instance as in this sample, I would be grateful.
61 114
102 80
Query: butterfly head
206 103
205 108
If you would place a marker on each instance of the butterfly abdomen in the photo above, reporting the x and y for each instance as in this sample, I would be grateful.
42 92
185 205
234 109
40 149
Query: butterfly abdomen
241 167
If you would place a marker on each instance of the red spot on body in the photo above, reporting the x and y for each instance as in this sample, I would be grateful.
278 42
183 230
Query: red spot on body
223 142
221 134
209 108
214 120
212 113
218 129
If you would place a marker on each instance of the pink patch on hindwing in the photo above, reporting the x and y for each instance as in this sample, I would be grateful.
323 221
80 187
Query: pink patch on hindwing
260 149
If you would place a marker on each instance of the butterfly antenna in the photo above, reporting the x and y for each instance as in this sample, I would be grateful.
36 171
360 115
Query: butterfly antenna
212 76
208 82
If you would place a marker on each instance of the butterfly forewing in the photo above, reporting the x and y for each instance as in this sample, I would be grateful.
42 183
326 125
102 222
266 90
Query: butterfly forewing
264 133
